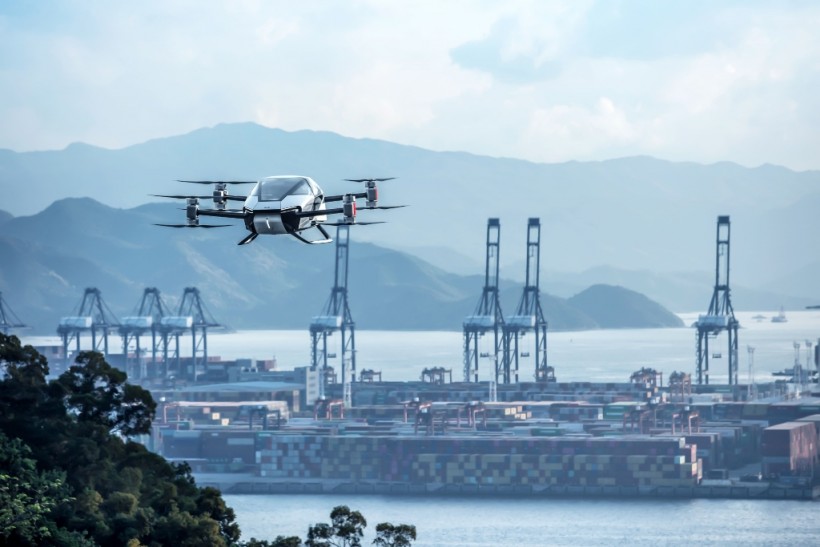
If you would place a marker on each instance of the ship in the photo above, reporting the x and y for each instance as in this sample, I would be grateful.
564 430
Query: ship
780 317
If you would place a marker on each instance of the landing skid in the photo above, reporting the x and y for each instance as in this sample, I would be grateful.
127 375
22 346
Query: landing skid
250 237
327 238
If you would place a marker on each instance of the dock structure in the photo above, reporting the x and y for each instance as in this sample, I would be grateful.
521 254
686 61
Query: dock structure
488 317
193 315
93 316
721 315
8 319
147 318
336 317
528 318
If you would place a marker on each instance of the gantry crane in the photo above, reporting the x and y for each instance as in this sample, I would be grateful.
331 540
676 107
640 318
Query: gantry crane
195 315
488 315
8 319
720 316
336 317
529 317
147 318
92 315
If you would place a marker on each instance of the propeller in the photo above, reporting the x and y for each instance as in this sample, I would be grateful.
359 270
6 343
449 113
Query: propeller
371 192
194 225
179 196
218 181
370 180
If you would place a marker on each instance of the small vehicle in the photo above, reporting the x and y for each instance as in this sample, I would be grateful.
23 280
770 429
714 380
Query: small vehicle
282 204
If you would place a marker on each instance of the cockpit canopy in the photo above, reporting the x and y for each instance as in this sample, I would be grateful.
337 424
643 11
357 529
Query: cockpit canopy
277 188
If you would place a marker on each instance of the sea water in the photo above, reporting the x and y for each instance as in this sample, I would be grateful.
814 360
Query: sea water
527 522
583 356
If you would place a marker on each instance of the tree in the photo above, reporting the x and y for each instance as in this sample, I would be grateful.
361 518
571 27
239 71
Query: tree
83 481
98 393
346 530
27 496
389 535
280 541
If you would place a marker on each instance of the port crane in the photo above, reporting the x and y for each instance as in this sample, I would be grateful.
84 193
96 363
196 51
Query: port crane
8 319
92 315
721 315
529 317
147 319
488 316
336 317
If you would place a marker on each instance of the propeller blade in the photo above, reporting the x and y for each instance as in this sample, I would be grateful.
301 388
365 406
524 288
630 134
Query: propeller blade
370 180
180 197
218 181
194 225
385 207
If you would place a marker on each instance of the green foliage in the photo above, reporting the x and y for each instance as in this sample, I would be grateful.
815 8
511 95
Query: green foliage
98 393
70 476
280 541
27 496
346 530
389 535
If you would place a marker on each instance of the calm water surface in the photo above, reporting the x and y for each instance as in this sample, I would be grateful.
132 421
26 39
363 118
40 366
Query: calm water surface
596 355
514 522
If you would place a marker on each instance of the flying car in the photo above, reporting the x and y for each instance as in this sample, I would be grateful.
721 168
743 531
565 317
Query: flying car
285 204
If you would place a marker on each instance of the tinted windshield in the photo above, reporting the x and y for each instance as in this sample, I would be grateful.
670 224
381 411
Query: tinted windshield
276 189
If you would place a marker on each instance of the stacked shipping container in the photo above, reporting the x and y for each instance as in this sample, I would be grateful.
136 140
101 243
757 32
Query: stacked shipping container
545 461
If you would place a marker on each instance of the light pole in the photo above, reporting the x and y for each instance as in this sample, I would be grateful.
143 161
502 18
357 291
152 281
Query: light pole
751 387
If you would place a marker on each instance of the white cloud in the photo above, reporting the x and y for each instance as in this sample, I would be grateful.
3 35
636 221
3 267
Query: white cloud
524 80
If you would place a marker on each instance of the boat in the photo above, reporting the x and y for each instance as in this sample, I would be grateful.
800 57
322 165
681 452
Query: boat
759 317
780 317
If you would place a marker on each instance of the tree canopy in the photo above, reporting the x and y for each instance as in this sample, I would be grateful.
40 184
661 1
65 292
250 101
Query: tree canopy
71 474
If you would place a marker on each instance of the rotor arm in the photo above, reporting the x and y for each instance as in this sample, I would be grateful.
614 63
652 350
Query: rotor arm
221 213
308 214
176 196
341 197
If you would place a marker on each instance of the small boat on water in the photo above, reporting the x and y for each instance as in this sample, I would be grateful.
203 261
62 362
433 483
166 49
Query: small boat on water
759 317
780 317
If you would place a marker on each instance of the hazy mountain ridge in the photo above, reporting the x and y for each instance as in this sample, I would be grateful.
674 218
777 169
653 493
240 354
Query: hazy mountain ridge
616 307
638 214
51 257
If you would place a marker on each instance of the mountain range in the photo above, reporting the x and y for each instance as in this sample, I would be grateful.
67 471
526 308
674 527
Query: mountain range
641 223
51 257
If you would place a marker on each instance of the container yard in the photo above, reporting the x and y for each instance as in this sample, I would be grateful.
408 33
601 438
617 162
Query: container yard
435 442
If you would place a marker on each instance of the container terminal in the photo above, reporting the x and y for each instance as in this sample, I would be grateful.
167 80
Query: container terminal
246 427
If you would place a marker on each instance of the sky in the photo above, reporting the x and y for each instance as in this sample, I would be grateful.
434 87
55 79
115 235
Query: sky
546 81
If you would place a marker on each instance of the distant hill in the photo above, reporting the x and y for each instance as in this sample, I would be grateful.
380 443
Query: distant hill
683 291
616 307
49 259
4 216
631 214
